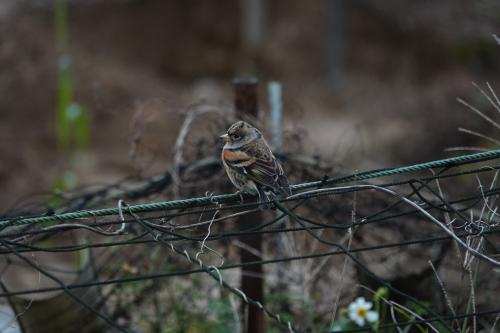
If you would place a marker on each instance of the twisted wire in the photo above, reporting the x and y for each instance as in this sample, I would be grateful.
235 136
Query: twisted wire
223 198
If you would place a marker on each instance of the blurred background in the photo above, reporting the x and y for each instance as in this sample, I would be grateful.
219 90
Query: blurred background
96 91
367 83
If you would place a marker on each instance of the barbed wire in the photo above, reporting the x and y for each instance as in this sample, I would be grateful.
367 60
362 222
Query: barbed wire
21 234
424 321
429 239
318 225
210 200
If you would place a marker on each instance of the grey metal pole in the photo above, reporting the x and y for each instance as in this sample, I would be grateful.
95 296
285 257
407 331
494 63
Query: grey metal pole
275 102
336 41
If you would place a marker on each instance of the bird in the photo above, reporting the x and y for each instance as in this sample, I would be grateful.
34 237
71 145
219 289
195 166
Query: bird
251 165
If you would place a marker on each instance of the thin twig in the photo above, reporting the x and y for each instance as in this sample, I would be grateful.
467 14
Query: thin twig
487 96
411 203
488 119
479 135
340 282
443 289
402 307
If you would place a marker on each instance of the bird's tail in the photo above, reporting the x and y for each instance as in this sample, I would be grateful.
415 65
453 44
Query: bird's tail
266 198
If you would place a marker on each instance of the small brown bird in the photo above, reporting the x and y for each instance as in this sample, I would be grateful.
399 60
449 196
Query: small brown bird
251 165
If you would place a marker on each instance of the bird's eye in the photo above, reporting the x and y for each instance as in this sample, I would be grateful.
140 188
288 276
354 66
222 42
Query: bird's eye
235 136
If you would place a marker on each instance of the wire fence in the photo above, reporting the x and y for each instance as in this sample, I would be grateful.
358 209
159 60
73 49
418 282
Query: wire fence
439 216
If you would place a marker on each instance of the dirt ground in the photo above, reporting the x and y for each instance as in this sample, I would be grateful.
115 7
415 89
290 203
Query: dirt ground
139 66
395 103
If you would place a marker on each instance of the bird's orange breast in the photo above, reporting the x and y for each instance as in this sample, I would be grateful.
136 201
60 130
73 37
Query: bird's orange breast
239 157
234 155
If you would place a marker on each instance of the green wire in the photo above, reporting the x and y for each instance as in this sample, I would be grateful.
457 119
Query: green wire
200 201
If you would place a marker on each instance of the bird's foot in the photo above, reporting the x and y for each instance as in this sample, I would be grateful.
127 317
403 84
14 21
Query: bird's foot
265 203
240 193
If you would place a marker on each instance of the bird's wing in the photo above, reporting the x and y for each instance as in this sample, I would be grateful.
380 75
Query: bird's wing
259 164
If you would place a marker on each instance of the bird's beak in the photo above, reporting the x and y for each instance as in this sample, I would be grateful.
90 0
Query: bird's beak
224 137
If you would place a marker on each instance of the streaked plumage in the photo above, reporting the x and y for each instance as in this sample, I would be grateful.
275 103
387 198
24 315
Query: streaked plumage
250 163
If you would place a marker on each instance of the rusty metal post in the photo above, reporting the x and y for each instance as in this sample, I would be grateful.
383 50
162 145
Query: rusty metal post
251 276
245 97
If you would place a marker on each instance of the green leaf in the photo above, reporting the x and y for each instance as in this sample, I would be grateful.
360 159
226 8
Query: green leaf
341 325
81 125
381 293
66 182
64 96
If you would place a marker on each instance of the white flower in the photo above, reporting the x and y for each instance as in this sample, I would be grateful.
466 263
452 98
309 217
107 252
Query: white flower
359 311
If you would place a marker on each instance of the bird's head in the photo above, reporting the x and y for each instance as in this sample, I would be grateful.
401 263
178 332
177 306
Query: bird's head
240 132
